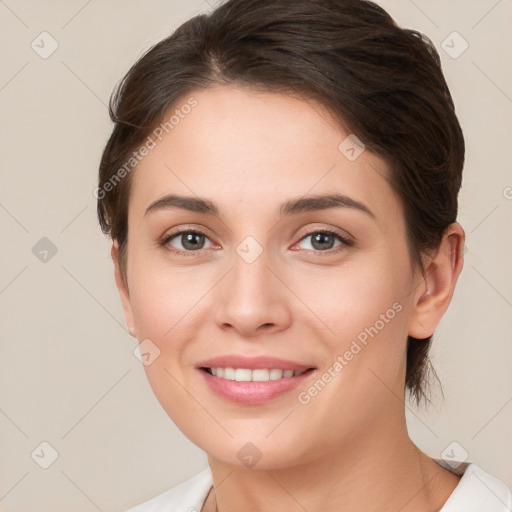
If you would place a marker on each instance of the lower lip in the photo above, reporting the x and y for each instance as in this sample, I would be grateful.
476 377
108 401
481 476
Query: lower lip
253 393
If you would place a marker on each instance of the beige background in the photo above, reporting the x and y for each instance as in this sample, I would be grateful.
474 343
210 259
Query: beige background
68 373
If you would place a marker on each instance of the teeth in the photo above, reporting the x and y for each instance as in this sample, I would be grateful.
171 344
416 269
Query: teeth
229 374
243 375
276 374
258 375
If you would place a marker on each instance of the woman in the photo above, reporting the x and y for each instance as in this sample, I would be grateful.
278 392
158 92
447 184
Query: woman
281 191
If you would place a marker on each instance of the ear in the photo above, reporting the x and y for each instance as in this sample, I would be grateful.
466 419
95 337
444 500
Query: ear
123 289
434 293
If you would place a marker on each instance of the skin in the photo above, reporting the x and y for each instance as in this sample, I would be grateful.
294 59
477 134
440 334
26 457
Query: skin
348 448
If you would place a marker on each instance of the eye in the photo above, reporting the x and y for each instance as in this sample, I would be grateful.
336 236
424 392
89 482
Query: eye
191 241
324 239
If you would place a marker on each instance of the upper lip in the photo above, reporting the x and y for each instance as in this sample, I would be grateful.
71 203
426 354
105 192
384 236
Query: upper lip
251 363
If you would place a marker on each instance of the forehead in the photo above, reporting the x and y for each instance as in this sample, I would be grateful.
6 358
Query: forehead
243 146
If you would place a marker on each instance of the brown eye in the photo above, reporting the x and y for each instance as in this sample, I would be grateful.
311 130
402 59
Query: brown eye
190 240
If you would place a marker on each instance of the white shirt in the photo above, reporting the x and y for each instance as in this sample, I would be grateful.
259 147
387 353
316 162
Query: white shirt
477 491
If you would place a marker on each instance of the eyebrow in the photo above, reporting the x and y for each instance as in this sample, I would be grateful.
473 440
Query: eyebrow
290 207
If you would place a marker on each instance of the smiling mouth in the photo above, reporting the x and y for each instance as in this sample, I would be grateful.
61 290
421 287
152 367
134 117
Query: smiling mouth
256 375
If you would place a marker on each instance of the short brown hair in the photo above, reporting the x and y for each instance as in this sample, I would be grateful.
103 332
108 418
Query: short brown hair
383 82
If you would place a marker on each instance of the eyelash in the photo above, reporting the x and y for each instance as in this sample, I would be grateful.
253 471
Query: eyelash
345 241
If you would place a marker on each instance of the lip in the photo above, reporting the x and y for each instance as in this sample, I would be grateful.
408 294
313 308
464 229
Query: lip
252 393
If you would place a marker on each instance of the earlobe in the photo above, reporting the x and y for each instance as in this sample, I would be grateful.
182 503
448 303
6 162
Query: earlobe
434 293
122 289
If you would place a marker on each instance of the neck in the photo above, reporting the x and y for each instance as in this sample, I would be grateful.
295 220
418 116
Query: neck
379 470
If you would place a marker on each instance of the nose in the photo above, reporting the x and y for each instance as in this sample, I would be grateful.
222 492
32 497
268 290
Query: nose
251 300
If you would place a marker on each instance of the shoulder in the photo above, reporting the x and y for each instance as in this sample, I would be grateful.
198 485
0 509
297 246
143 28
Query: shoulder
185 497
479 491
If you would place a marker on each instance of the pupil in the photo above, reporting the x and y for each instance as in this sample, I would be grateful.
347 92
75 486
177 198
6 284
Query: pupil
189 237
321 238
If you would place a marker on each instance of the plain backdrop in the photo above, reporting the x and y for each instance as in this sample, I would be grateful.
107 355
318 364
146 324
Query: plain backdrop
69 378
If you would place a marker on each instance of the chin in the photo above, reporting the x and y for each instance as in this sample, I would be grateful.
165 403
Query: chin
253 454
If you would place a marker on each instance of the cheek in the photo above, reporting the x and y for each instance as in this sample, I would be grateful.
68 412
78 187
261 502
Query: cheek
165 304
163 298
353 300
364 310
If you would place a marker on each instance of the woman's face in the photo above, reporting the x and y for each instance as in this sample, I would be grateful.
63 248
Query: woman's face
256 289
